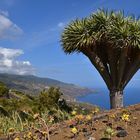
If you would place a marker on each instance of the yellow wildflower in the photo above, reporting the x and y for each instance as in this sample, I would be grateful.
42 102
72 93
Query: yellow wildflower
51 119
24 136
79 117
34 137
112 116
73 112
74 130
125 117
135 118
88 117
93 111
36 116
29 135
17 138
97 110
11 130
44 132
25 124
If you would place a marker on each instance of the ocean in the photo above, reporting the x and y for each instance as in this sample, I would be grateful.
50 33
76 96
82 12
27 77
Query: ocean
101 98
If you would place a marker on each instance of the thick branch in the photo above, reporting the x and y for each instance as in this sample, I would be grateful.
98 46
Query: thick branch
97 62
131 70
122 63
112 60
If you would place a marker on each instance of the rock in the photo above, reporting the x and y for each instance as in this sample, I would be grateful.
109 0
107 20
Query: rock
138 130
91 138
70 136
105 139
84 130
122 133
105 121
94 129
109 124
88 134
100 117
119 128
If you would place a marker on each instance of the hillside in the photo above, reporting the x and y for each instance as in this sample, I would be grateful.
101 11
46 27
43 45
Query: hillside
117 124
33 85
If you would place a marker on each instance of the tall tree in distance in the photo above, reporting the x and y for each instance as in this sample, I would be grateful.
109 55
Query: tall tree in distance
111 41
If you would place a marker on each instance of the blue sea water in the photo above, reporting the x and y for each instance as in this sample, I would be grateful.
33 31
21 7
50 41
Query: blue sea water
101 98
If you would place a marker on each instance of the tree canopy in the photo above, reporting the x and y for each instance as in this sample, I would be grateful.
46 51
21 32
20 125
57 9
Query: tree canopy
110 40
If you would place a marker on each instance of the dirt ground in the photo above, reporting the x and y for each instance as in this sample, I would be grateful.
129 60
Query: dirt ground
94 129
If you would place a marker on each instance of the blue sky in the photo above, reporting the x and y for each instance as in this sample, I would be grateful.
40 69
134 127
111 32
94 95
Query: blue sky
30 35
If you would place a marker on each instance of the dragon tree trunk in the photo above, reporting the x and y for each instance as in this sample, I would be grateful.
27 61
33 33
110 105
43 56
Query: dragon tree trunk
116 99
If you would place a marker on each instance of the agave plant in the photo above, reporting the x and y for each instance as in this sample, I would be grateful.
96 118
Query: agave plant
111 41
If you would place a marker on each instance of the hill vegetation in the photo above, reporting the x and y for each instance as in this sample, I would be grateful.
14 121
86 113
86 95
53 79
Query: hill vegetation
18 111
33 85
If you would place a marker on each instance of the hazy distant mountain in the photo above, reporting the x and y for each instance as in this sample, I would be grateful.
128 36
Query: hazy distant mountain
33 85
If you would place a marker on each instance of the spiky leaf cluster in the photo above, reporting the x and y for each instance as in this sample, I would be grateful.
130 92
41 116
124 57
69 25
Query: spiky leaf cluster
101 27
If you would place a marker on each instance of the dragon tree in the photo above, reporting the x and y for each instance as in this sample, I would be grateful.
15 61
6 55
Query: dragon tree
111 41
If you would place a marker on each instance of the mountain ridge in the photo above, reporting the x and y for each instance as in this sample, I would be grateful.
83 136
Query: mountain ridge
31 84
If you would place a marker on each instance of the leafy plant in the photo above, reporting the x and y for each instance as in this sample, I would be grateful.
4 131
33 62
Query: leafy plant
109 132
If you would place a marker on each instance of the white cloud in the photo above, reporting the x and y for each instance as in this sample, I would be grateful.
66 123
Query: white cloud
58 27
10 53
4 13
9 64
8 30
61 25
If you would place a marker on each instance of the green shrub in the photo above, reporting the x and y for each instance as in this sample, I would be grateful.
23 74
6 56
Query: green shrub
3 90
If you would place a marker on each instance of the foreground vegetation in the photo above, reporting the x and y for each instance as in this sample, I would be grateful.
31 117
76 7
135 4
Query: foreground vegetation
49 117
41 126
86 125
21 113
